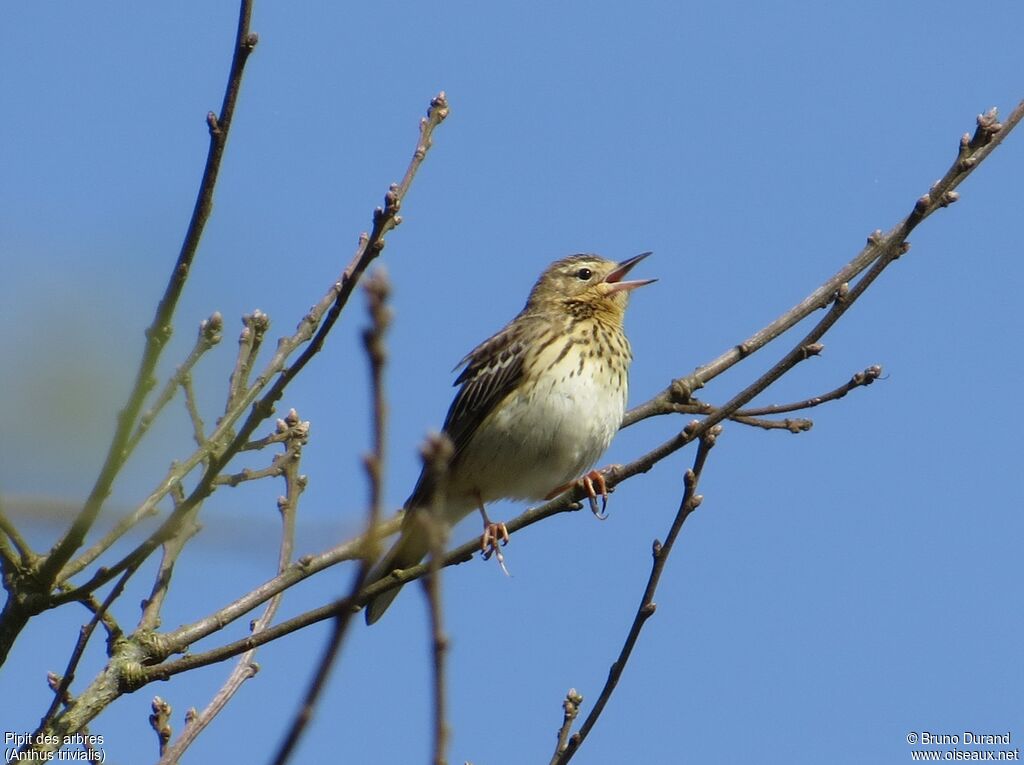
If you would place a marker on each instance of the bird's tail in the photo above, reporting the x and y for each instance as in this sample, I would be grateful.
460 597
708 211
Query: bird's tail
409 550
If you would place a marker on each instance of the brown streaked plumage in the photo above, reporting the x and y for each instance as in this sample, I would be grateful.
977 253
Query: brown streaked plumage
539 403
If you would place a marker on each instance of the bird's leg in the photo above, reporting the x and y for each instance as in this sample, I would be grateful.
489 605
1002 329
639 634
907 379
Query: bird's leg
588 482
493 534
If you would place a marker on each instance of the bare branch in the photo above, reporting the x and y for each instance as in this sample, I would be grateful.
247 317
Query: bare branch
25 556
304 567
570 711
198 427
63 684
790 425
159 330
377 291
208 336
246 667
160 721
9 563
87 740
439 652
172 549
276 468
859 380
971 152
751 416
255 326
113 629
329 308
690 502
437 454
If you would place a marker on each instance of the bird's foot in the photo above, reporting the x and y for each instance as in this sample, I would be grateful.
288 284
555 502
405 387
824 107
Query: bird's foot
494 534
593 483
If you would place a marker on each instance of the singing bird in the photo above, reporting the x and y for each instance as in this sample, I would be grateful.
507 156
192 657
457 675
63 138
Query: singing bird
538 405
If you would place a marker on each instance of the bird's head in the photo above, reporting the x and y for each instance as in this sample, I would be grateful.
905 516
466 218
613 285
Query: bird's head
587 284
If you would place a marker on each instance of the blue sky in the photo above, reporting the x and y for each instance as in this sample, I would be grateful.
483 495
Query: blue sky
837 589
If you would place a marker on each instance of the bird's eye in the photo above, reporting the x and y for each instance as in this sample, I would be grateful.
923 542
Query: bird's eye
584 273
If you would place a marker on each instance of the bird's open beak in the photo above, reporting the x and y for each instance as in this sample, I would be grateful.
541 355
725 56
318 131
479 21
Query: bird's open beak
616 276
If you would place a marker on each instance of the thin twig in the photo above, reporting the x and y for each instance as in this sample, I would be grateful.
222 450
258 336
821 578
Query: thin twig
208 336
255 326
159 330
11 559
859 380
328 309
274 469
377 291
172 549
570 711
437 454
304 567
690 502
198 427
750 416
971 153
20 544
246 667
87 739
439 653
279 436
790 424
84 634
15 614
113 629
160 722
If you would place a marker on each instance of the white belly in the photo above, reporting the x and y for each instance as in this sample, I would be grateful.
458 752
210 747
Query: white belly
544 437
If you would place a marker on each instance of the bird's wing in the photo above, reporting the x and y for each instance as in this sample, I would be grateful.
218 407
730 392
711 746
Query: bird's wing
490 372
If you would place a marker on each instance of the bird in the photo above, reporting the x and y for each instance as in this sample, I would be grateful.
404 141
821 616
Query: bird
538 403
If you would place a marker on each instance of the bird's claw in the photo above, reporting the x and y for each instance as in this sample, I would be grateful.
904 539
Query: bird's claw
495 534
588 482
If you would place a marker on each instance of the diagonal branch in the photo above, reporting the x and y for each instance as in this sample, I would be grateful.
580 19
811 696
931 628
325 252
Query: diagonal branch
750 416
61 691
690 502
24 557
159 330
172 550
255 326
377 290
858 380
304 567
437 454
209 335
971 153
246 667
385 219
18 610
